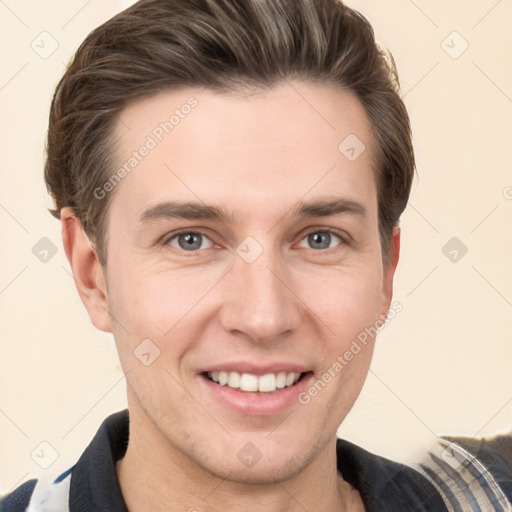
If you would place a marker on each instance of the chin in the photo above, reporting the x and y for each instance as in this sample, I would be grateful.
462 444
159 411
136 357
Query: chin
249 465
260 474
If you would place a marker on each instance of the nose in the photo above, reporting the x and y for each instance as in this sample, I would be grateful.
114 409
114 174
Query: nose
259 300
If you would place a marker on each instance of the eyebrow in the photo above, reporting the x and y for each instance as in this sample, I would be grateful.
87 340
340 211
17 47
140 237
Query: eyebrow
190 210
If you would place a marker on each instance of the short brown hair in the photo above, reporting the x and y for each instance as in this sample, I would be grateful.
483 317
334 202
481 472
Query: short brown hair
223 45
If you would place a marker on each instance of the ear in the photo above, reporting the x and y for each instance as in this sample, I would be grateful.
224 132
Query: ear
389 270
87 271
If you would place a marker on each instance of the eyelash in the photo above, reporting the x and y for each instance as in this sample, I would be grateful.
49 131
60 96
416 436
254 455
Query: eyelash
345 239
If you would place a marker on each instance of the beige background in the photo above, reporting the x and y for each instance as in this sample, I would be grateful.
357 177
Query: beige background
442 366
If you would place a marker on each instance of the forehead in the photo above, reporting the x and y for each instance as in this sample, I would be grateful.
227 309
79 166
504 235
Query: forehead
268 149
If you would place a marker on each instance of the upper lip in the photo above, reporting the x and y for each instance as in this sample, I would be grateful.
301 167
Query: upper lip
256 369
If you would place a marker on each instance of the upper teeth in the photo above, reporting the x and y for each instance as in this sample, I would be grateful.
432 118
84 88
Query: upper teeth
249 382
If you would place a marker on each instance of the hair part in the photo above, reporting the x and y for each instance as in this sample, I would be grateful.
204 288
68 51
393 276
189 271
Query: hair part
225 46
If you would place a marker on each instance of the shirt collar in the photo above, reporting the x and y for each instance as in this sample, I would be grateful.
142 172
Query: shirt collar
384 485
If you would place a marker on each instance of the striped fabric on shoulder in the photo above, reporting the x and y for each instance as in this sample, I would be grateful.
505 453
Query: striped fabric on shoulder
465 484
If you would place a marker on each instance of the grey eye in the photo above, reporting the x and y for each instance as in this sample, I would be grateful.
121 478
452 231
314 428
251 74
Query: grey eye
320 239
190 241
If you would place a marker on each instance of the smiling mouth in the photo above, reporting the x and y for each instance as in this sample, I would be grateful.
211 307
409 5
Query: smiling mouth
256 384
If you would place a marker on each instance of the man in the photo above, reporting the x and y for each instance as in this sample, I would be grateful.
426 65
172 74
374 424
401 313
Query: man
229 176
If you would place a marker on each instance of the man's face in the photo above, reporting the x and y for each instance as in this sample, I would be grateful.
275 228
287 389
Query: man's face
263 291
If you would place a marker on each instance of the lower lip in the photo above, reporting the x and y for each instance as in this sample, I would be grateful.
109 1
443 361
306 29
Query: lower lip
258 404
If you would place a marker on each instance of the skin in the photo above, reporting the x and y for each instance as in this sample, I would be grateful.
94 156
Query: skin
296 302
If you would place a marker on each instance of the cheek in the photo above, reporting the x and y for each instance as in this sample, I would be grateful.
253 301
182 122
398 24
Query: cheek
348 304
349 310
153 303
167 308
152 310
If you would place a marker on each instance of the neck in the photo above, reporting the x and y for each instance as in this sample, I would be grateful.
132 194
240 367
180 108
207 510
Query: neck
155 476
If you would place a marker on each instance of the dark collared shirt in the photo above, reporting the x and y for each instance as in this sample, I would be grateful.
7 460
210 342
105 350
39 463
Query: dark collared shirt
92 486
